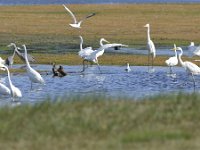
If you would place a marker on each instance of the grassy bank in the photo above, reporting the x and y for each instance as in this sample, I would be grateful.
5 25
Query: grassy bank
167 122
46 27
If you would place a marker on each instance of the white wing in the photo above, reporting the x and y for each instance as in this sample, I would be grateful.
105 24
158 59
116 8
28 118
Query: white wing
197 51
85 52
74 18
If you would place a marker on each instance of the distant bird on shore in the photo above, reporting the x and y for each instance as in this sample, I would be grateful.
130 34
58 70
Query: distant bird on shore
77 24
172 61
128 69
150 46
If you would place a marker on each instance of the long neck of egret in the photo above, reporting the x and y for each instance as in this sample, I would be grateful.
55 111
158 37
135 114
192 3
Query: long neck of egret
148 33
9 80
81 43
180 59
26 58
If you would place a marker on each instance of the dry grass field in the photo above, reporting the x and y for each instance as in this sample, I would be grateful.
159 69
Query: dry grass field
47 26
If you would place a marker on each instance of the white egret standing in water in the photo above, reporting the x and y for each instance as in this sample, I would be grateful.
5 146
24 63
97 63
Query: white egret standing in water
190 67
150 46
15 92
76 24
34 76
172 61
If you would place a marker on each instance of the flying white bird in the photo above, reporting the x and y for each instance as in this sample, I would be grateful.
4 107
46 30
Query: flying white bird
14 91
190 67
172 61
150 46
34 76
76 24
128 69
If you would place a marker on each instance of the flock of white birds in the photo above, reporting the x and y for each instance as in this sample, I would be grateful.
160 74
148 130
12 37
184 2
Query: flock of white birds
90 55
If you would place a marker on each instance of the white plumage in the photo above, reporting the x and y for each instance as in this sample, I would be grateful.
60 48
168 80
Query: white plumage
150 45
34 76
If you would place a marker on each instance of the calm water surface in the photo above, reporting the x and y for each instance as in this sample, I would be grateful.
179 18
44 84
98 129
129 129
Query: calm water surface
112 82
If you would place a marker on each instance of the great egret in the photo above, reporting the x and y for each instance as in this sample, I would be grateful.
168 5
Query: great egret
86 51
93 57
4 90
76 24
190 67
172 61
21 55
150 46
15 92
2 61
10 59
128 69
34 76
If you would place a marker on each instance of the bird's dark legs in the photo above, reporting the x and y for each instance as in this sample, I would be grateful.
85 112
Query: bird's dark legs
98 66
170 69
152 61
148 60
84 65
193 81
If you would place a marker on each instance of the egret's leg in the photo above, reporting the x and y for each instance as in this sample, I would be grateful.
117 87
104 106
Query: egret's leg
152 61
148 60
193 81
98 66
83 65
170 69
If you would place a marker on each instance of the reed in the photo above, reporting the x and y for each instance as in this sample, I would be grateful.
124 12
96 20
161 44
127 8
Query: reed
98 122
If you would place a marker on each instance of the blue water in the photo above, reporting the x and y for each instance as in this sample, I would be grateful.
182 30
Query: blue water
113 81
29 2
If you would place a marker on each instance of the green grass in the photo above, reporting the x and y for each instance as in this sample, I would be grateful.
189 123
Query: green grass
95 122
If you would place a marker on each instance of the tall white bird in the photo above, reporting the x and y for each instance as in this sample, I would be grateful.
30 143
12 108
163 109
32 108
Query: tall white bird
34 76
190 67
4 90
86 51
172 61
14 91
77 24
93 57
128 69
150 46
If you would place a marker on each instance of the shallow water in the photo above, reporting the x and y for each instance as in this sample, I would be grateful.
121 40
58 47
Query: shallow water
112 81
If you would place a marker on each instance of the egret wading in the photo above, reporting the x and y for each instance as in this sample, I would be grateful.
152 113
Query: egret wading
190 67
77 24
33 75
151 47
93 57
14 91
172 61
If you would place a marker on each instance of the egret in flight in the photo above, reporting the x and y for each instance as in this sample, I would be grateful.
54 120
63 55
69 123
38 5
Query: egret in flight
190 67
34 76
150 46
77 24
172 61
15 92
